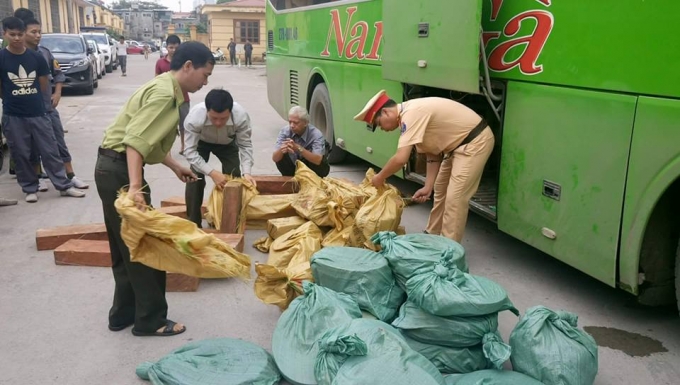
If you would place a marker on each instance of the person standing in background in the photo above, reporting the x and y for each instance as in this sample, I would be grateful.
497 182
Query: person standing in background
51 99
248 49
163 66
232 52
122 55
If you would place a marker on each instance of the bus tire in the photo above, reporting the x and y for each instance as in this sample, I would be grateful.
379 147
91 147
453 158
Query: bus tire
321 116
677 276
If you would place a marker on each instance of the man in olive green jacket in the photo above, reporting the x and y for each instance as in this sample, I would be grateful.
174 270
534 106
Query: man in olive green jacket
143 133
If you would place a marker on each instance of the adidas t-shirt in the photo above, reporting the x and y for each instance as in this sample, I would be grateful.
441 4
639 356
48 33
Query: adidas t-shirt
21 94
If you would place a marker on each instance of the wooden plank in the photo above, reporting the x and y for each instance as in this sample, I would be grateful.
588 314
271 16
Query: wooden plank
180 201
82 252
50 239
177 211
275 184
231 209
234 240
175 282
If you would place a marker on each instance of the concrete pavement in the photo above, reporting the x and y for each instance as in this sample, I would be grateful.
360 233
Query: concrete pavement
53 328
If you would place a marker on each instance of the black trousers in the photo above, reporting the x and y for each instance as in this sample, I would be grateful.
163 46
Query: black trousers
286 166
231 165
139 294
232 57
249 59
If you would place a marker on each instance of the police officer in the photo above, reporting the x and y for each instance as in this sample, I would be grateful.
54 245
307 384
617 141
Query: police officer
457 143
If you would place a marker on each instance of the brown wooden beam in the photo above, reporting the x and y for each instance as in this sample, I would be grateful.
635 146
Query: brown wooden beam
231 209
273 184
50 239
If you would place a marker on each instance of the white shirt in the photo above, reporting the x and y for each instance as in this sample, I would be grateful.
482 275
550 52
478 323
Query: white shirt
121 49
197 127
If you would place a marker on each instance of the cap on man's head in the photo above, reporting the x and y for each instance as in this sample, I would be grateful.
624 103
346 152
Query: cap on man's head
372 107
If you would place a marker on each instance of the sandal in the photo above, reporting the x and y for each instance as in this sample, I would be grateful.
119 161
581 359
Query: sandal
167 331
119 328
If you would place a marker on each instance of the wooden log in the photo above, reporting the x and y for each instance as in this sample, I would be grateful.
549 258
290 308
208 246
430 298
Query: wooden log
78 252
175 282
272 184
83 252
50 239
180 201
231 209
177 211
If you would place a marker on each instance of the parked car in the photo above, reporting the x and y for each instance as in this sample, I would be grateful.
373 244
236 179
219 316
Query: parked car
107 46
75 58
135 49
100 58
164 49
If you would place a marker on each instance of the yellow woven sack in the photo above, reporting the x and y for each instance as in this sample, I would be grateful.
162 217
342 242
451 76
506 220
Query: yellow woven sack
263 244
265 207
296 245
216 200
381 212
280 287
349 196
312 199
176 245
340 236
278 226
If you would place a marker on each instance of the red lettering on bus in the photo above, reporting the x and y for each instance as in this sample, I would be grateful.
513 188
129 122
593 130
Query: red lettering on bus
533 43
340 35
488 36
356 46
351 40
495 8
377 39
544 2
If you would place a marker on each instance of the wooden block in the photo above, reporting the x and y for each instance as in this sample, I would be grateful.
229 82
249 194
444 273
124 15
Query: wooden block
82 252
231 209
50 239
272 184
180 201
177 211
181 283
234 240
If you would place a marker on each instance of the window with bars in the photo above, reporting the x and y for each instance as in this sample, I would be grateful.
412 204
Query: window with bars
34 5
247 30
54 14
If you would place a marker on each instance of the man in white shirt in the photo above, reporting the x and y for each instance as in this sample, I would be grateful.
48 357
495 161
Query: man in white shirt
121 50
221 127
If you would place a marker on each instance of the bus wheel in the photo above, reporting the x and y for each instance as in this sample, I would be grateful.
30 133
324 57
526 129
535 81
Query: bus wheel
677 277
321 116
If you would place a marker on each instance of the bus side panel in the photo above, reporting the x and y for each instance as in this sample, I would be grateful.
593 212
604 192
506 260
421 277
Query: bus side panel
654 166
278 84
563 171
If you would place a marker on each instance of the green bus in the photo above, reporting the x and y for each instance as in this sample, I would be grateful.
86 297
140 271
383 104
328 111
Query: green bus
583 98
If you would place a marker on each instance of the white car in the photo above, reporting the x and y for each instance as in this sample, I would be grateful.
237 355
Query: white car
107 47
101 58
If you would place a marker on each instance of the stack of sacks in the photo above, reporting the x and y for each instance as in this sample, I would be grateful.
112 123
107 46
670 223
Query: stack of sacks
362 274
370 352
411 254
279 281
451 317
294 343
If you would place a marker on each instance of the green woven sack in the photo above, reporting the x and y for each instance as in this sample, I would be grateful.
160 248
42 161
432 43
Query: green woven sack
451 360
411 253
362 274
491 377
445 290
307 318
213 362
371 352
549 347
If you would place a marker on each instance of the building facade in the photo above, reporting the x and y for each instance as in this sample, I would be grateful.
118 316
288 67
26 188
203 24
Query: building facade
145 24
240 20
65 16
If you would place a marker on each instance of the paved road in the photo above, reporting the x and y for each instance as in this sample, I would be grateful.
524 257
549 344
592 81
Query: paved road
53 328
